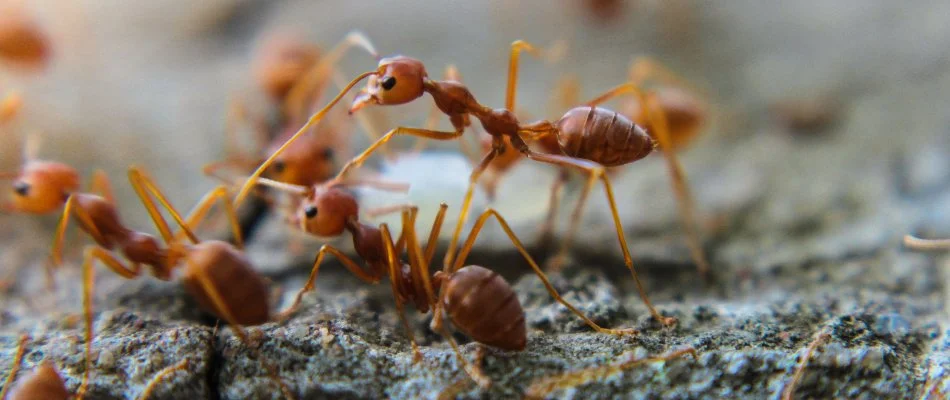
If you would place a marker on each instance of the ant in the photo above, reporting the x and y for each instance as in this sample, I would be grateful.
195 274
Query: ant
22 42
544 386
591 138
477 300
216 274
916 243
45 382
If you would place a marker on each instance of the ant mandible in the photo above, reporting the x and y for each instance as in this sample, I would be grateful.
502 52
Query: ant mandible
216 274
478 301
401 79
44 382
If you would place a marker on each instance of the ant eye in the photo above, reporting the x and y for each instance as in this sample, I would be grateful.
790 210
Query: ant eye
310 211
327 153
279 166
389 83
22 188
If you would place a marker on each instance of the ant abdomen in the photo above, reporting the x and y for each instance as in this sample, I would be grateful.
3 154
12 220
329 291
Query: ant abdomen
43 383
242 290
603 136
483 305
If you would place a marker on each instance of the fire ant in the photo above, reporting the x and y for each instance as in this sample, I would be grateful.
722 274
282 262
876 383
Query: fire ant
477 300
591 138
45 382
22 42
216 274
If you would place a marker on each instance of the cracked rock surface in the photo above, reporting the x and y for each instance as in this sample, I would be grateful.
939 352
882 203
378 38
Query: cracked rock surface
803 231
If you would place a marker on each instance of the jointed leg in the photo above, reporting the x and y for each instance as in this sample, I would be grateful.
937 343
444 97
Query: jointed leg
466 204
547 230
597 171
434 234
366 121
557 49
225 313
395 273
71 208
540 388
822 337
425 133
17 360
926 244
200 211
10 106
144 185
152 384
684 198
362 274
470 241
100 185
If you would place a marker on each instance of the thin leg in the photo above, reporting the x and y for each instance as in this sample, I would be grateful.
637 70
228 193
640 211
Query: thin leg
365 120
517 47
540 388
200 211
251 181
364 275
597 171
916 243
144 185
71 208
31 145
684 198
821 338
153 383
17 360
394 269
451 73
470 241
466 204
558 261
305 88
434 234
225 312
547 230
100 185
10 106
385 210
643 69
425 133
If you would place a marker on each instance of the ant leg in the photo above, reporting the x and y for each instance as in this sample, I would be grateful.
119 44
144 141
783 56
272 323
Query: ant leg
10 106
311 82
88 281
17 360
470 241
251 181
71 208
466 204
394 271
152 384
225 313
916 243
684 198
100 185
820 338
425 133
540 388
360 272
643 68
597 171
434 234
200 211
555 53
366 121
451 73
547 230
144 185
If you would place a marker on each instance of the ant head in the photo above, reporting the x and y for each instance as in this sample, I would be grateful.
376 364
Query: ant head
326 213
398 80
306 162
22 42
281 61
43 187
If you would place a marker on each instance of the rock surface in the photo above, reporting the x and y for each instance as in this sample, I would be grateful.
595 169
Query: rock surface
803 231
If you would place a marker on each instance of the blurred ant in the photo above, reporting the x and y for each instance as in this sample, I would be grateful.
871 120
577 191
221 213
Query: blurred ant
22 42
591 138
477 300
216 274
919 244
44 382
542 387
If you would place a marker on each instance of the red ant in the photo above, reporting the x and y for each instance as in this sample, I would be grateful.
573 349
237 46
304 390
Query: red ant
477 300
22 42
216 274
591 138
45 382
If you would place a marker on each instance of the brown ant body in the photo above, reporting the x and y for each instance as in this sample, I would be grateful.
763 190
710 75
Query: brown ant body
477 300
216 274
590 138
22 42
45 383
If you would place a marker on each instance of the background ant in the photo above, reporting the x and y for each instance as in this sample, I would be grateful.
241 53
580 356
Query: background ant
45 383
216 274
401 79
916 243
478 301
22 42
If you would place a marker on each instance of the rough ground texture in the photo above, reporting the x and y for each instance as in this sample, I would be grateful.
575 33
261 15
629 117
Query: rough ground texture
803 231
